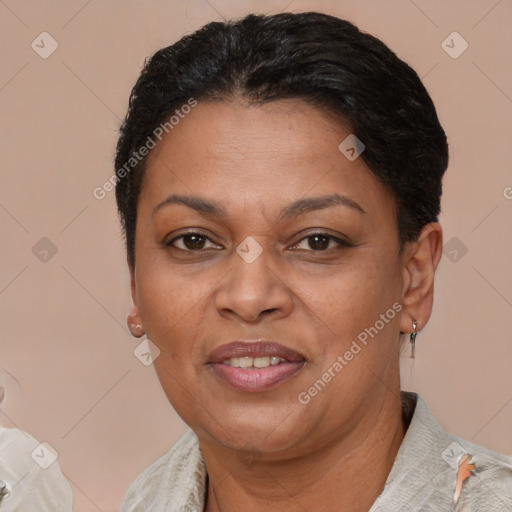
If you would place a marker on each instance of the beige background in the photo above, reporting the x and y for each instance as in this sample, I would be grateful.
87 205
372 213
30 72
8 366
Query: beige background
67 358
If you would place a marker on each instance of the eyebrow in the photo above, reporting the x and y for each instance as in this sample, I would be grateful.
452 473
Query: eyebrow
299 207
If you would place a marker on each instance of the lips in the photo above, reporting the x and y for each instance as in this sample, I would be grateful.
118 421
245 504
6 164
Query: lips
238 364
254 349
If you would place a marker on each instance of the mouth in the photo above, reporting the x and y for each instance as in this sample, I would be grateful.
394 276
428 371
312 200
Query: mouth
254 362
255 365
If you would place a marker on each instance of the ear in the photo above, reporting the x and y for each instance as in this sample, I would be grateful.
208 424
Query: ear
134 319
420 262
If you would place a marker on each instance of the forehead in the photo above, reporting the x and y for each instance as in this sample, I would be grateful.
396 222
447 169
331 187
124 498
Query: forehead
290 129
258 154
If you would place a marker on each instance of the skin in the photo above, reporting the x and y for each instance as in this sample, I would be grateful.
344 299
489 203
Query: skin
266 450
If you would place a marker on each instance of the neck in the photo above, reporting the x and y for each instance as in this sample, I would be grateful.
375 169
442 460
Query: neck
350 470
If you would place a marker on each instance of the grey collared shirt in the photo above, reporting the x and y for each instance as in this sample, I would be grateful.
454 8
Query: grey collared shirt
31 477
422 479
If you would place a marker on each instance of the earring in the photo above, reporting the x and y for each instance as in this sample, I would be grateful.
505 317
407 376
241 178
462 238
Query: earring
413 338
136 329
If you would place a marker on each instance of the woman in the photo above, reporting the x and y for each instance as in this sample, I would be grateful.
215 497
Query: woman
278 183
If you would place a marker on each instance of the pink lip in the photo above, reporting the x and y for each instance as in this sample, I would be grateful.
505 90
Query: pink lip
255 379
259 348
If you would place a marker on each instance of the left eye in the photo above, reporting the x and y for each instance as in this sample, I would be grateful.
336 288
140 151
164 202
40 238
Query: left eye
319 242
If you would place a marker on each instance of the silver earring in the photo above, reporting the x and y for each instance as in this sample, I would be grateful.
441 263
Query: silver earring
413 338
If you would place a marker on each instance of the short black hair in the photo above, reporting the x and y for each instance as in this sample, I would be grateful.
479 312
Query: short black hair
324 60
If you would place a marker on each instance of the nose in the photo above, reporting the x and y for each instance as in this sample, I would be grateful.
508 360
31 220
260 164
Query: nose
251 291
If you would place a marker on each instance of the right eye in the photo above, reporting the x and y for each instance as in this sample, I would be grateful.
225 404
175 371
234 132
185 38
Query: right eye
191 242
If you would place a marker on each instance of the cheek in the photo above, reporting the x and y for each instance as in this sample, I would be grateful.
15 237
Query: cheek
171 309
359 305
353 297
351 305
170 306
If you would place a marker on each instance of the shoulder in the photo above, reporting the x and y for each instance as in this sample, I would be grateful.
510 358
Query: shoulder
15 436
432 470
175 480
31 484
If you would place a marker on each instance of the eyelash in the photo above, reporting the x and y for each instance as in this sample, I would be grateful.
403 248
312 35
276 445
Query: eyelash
341 243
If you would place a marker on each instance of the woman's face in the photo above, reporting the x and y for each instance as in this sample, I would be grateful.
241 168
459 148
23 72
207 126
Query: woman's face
267 262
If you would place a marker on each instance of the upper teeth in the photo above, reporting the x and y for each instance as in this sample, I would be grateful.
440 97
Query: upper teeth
255 362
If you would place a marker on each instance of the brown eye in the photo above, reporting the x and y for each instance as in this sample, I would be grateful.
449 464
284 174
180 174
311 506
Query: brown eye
191 242
320 242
